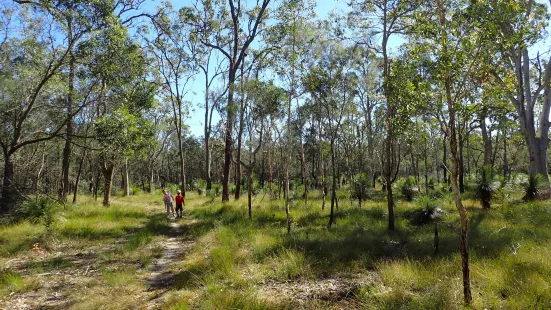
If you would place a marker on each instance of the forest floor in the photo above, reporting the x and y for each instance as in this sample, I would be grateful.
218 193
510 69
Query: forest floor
130 256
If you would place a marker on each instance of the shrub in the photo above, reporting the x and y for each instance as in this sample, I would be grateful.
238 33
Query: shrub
485 190
407 188
533 186
427 212
134 190
360 186
39 210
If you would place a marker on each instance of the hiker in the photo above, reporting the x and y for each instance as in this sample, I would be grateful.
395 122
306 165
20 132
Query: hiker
167 198
179 204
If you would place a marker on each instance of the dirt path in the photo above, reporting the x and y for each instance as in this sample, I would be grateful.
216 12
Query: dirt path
160 275
74 276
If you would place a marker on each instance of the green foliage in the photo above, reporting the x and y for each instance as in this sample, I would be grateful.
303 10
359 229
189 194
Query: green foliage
11 282
533 186
427 212
120 133
135 190
407 188
360 187
485 188
39 210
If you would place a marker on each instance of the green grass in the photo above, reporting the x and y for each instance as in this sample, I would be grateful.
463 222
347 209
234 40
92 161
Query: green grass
234 259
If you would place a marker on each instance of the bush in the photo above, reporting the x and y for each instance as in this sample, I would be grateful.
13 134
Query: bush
134 190
215 190
360 186
485 190
427 212
407 188
533 186
39 210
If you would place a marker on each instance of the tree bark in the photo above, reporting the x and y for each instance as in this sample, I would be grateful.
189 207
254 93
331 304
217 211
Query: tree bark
461 162
125 178
9 192
455 165
107 169
303 169
238 170
78 175
66 161
228 138
333 186
207 135
487 138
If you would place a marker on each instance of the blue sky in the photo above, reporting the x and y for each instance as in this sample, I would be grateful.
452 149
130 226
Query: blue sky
195 119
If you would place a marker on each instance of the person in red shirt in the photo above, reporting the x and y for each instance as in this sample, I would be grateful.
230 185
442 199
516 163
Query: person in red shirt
179 204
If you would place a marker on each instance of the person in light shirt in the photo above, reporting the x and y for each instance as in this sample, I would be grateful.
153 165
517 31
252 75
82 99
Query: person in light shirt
167 199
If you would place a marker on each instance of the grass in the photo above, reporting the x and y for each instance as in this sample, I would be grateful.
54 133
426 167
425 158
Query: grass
237 263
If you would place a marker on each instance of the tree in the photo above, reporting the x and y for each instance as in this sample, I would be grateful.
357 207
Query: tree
225 32
29 90
392 16
510 30
173 51
119 133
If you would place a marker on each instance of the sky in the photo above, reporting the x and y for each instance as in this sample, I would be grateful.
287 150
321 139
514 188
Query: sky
195 119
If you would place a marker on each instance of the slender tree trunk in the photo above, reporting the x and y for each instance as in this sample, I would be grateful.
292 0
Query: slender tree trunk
505 159
107 170
182 161
303 169
270 167
288 156
65 165
496 145
228 137
250 188
461 162
9 192
207 136
487 138
238 172
322 179
455 167
126 179
333 186
36 186
78 175
436 160
445 160
426 167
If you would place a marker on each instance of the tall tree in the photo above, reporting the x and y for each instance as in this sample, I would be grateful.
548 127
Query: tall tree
392 17
230 33
511 29
173 50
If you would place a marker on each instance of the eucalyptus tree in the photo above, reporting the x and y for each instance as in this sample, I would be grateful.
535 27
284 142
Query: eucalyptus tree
231 33
365 64
213 68
264 100
379 20
173 49
292 37
119 66
77 20
333 89
31 90
119 134
512 31
455 45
